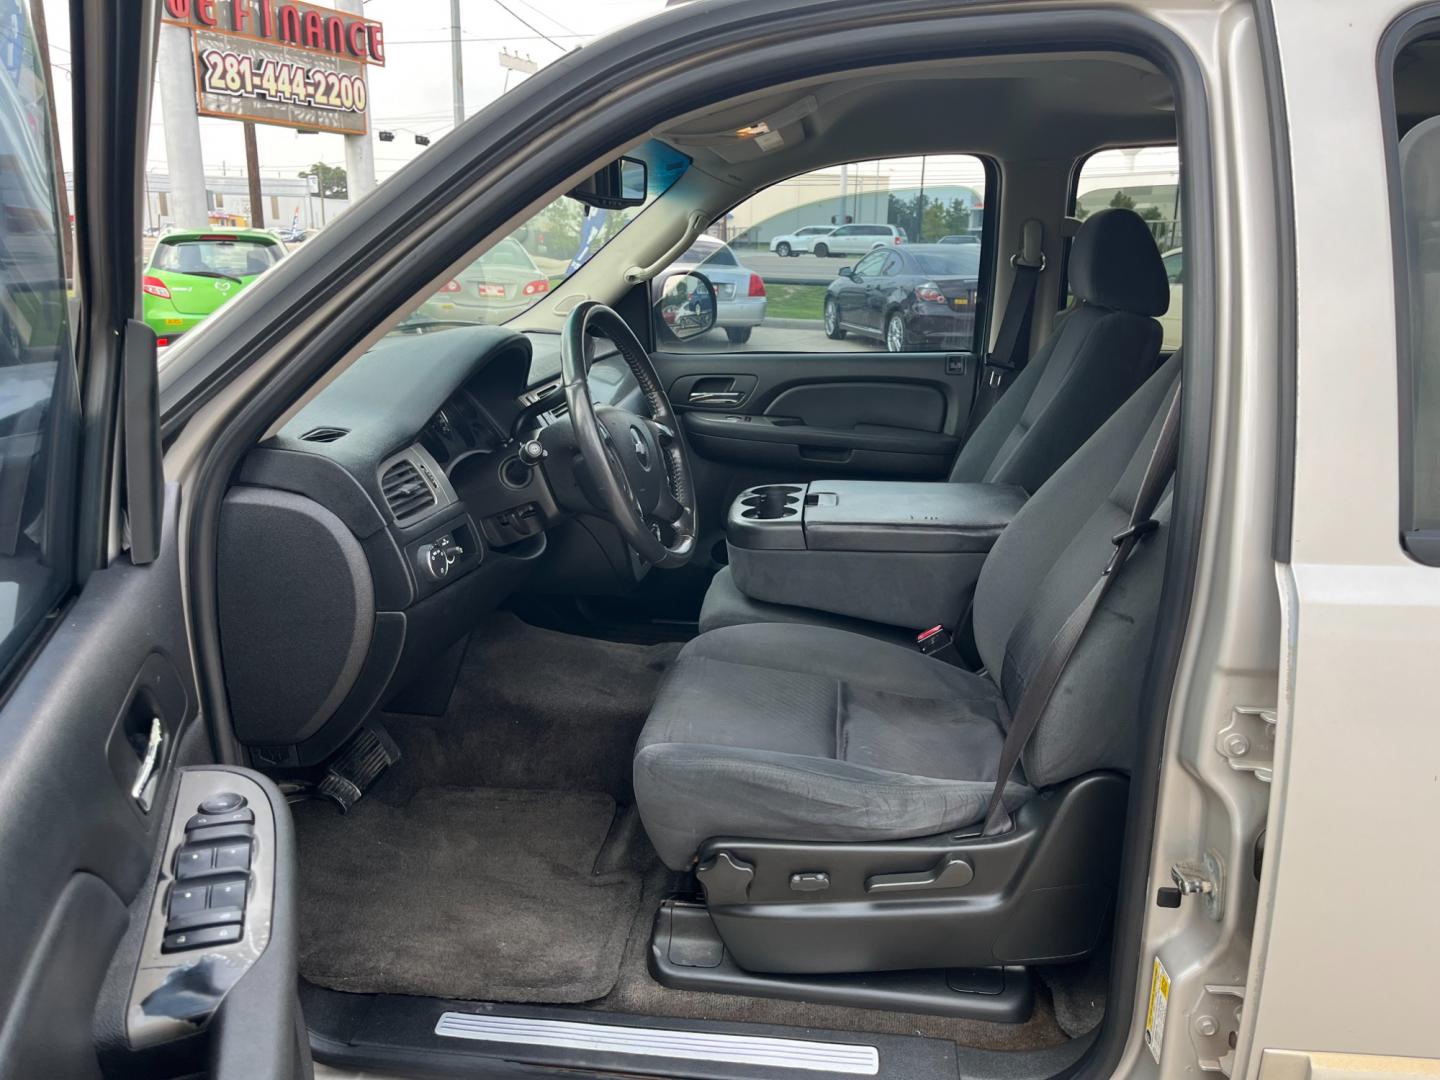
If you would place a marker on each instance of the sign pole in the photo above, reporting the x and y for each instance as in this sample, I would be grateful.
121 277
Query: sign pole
252 169
457 67
359 150
175 72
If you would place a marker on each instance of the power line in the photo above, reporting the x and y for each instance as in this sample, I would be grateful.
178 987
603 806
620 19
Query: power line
547 15
537 36
528 25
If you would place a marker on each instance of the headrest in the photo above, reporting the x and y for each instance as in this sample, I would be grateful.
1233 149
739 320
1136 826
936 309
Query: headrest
1114 263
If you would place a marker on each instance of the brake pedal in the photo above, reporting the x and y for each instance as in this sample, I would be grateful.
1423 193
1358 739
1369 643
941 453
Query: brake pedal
368 753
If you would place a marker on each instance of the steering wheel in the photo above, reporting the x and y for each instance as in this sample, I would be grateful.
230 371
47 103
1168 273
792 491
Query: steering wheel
637 464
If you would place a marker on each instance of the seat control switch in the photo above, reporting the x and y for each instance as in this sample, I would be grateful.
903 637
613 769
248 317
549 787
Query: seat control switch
810 881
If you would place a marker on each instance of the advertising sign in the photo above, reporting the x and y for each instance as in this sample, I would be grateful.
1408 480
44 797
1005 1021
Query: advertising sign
296 65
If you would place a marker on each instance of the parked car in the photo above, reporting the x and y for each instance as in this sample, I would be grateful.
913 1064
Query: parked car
495 287
919 296
960 238
858 239
193 272
1173 319
739 291
800 241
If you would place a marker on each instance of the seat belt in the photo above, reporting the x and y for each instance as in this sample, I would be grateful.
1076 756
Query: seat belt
1041 687
1012 346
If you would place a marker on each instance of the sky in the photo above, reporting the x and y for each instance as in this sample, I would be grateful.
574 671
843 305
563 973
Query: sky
411 93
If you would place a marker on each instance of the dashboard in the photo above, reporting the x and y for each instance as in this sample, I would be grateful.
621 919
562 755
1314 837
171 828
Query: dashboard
367 536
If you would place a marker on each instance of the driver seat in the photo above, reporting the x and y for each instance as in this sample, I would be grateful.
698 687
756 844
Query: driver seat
773 748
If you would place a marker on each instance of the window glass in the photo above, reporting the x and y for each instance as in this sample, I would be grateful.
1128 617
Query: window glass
38 428
542 253
215 256
1147 180
793 268
1417 70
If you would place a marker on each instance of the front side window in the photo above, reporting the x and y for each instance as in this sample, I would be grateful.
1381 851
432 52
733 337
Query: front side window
38 407
845 288
1146 180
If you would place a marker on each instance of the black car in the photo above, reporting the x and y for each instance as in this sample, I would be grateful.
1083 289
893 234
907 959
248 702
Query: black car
917 296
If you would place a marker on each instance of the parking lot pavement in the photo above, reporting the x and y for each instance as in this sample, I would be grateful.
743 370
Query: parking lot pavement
782 339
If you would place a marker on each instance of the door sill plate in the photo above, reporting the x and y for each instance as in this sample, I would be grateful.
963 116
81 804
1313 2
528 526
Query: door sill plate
855 1059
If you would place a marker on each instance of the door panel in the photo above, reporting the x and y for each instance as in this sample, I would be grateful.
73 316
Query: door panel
808 416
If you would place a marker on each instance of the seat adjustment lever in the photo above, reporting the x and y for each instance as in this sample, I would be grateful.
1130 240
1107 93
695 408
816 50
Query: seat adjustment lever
951 872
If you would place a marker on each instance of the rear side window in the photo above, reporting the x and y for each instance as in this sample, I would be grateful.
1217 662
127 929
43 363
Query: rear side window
1145 179
1415 172
39 426
777 294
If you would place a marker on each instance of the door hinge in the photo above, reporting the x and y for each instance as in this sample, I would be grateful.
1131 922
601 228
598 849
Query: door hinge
1215 1027
1247 741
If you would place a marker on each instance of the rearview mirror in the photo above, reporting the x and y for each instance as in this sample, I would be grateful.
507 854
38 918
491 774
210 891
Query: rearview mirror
620 184
846 271
687 305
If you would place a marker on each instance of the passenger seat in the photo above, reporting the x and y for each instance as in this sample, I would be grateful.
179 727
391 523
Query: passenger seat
1106 345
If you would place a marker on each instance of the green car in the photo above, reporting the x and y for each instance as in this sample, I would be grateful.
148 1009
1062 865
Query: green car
193 272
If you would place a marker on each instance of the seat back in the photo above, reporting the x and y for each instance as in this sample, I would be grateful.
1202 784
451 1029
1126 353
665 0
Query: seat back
1041 568
1104 347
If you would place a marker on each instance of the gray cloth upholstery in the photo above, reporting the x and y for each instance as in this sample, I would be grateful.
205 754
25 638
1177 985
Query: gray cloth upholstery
786 731
793 732
1103 348
726 605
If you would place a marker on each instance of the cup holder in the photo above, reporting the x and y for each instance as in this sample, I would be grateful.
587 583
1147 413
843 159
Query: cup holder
771 503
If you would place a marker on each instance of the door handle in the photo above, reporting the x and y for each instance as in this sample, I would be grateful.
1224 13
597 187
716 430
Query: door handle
141 791
715 397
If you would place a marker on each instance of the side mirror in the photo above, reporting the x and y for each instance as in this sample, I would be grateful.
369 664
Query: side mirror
620 184
846 271
687 305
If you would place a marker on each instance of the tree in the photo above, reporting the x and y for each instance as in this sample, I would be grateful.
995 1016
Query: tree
333 182
1121 200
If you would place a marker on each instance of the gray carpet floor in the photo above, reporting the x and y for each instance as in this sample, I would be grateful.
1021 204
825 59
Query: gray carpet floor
481 893
492 864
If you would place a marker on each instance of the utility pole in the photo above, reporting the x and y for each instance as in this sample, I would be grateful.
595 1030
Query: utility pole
67 237
252 171
457 67
844 191
175 73
359 149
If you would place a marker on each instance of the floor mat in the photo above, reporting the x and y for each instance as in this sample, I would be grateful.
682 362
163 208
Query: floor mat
532 708
473 893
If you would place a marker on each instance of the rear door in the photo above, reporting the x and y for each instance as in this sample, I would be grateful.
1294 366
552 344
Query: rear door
791 403
98 713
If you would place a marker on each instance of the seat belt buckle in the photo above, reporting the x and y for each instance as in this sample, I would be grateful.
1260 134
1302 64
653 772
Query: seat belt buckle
939 643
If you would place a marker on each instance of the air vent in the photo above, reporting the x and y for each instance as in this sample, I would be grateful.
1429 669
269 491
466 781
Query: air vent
325 434
406 493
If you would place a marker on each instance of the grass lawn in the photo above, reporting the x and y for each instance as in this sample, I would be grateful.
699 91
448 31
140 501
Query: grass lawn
795 302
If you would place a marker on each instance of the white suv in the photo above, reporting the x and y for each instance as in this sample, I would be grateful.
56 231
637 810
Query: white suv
858 239
800 240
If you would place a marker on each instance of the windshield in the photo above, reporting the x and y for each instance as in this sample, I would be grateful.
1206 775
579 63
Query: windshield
541 254
236 256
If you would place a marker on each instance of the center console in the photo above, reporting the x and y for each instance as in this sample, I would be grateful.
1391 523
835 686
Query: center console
903 554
